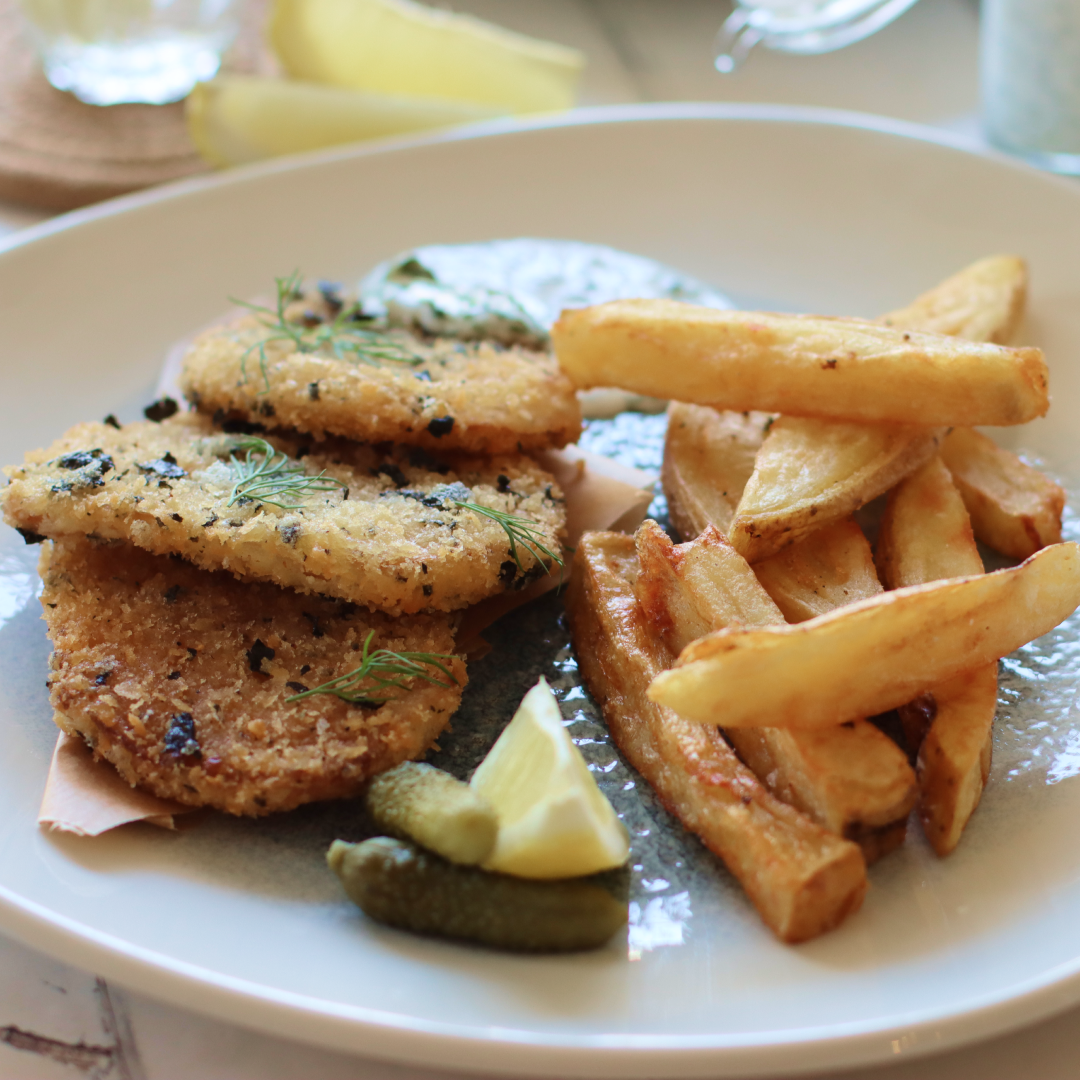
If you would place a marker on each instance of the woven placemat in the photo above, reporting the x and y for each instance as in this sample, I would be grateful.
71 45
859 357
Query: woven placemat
57 153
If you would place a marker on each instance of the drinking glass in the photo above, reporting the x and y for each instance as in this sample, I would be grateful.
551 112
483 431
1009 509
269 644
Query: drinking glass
1030 59
800 26
111 51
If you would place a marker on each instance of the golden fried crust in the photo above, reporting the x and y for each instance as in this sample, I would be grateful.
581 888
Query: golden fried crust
390 541
148 650
500 400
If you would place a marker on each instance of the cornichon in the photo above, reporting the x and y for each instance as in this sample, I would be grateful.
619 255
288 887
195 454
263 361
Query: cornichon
425 804
402 885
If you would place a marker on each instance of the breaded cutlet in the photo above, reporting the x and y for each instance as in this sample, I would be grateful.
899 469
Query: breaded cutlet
394 537
472 397
180 678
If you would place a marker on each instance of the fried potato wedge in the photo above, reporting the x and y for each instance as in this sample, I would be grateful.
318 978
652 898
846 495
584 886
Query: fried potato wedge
799 365
954 758
871 656
689 590
1014 508
809 473
708 457
925 535
802 879
983 302
831 567
851 779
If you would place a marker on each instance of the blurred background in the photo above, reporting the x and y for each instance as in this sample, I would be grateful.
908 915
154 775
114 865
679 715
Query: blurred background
57 153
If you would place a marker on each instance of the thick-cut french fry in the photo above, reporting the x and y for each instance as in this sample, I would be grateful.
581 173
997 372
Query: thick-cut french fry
799 365
851 778
954 759
984 302
1014 508
925 535
831 567
809 473
708 457
874 655
690 590
802 879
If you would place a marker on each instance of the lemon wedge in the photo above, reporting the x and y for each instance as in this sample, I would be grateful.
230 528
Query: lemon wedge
554 822
234 119
403 48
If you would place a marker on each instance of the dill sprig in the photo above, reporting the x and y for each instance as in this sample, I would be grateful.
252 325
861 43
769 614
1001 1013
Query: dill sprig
381 669
343 337
518 530
269 476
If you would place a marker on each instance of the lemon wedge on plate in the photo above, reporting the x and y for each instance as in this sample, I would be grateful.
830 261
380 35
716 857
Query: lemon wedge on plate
234 119
554 822
404 48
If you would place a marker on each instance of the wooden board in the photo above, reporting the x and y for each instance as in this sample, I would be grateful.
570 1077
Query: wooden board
57 153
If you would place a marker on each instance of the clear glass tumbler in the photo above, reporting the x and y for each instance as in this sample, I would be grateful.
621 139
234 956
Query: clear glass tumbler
1030 59
111 51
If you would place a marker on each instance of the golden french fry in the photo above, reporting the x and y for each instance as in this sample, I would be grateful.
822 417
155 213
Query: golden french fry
821 468
708 457
925 535
799 365
984 302
802 879
873 655
690 590
1014 508
851 778
954 758
809 473
869 784
831 567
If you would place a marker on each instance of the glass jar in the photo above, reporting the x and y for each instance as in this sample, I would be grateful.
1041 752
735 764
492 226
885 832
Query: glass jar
800 26
1030 60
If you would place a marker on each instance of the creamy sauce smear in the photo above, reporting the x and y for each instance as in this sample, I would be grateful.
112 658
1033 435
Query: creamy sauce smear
512 291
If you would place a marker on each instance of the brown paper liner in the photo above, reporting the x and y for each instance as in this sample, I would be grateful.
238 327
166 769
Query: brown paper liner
86 797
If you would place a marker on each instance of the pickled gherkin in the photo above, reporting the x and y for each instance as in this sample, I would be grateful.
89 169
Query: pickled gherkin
400 884
419 802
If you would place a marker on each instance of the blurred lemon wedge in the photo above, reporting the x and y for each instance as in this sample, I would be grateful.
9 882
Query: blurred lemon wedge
400 47
234 119
554 822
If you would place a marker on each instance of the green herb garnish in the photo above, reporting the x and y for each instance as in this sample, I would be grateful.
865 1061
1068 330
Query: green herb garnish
268 476
381 670
518 530
344 337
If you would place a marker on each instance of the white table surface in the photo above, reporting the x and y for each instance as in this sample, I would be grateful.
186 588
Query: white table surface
59 1022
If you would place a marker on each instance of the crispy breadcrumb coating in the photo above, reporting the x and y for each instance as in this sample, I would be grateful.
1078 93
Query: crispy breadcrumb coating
180 678
473 397
393 537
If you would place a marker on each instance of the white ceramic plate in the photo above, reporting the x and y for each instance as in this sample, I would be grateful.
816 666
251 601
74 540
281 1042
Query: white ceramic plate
803 210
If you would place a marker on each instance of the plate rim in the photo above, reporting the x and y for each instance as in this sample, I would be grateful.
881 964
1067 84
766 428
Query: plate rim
403 1039
580 117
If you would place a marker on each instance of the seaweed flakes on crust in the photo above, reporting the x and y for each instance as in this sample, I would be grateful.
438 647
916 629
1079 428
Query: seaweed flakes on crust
387 529
181 679
294 371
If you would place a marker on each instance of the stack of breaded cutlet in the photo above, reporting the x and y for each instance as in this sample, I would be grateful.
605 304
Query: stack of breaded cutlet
336 500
